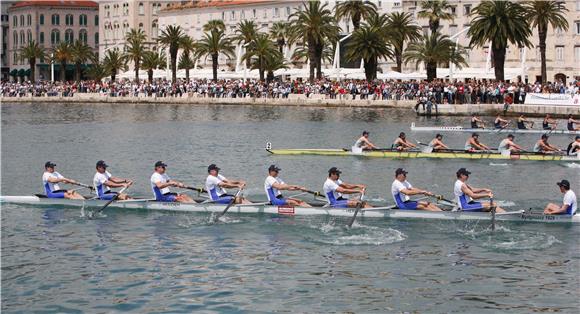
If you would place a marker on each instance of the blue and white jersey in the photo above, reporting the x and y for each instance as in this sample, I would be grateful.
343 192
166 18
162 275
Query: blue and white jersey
159 178
330 192
271 191
49 186
396 188
213 188
461 198
99 182
572 202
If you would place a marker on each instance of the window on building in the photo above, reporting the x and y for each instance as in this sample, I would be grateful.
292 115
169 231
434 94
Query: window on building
15 39
22 20
577 53
15 21
242 15
83 20
577 5
29 36
41 19
154 29
467 9
69 19
55 18
54 37
15 61
288 11
69 36
83 36
107 11
223 16
41 38
156 8
265 13
276 12
22 38
29 20
577 27
96 20
96 39
141 8
254 13
559 53
453 10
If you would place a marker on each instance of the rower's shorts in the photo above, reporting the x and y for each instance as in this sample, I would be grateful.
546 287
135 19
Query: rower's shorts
340 204
107 196
224 199
409 205
472 207
56 194
167 197
279 201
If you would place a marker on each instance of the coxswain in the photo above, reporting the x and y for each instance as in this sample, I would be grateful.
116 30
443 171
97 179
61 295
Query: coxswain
437 143
402 144
465 194
401 190
160 183
500 123
542 146
215 184
103 181
473 144
364 143
522 123
569 205
476 122
507 144
574 147
549 123
334 188
273 185
50 181
571 123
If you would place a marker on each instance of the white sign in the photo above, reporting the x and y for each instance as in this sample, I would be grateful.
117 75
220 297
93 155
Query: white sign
552 99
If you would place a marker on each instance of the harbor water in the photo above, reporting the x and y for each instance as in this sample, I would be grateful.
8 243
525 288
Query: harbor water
54 260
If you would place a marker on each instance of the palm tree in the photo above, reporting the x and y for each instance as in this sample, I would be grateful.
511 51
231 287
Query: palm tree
186 61
500 22
259 50
435 11
401 28
214 25
96 71
62 54
272 63
246 32
541 14
32 51
355 10
113 62
434 49
315 25
81 53
213 44
172 37
279 33
368 43
153 60
135 47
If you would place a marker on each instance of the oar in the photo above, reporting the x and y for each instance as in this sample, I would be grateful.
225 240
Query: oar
82 185
199 190
315 193
503 127
492 208
358 207
228 206
110 201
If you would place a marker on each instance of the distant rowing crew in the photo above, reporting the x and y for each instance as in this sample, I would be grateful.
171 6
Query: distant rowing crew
334 190
522 122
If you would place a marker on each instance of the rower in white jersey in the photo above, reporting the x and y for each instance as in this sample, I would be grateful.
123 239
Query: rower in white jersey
508 145
542 146
273 185
569 205
334 188
215 184
50 181
103 181
401 190
160 183
574 147
465 194
473 145
364 143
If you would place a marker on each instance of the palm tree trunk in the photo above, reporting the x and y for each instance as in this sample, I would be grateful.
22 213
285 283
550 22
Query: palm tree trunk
63 71
248 63
356 20
434 26
319 50
174 67
78 71
113 75
499 61
431 71
369 67
214 65
261 69
150 76
542 32
312 58
187 74
32 62
270 76
399 59
136 70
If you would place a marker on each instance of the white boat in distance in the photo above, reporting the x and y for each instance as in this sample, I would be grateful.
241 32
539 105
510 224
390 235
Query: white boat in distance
261 208
488 130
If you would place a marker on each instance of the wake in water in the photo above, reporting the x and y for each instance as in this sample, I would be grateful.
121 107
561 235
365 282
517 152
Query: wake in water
572 165
498 165
335 233
505 239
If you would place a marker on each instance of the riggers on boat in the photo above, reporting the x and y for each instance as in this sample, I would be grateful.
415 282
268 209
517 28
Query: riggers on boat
488 130
389 153
262 208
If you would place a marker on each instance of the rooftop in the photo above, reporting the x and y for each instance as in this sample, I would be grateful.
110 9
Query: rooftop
52 3
214 4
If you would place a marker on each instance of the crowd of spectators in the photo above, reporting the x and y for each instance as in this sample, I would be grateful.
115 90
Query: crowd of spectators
438 91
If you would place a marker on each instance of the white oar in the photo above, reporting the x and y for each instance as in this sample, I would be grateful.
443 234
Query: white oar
229 205
358 207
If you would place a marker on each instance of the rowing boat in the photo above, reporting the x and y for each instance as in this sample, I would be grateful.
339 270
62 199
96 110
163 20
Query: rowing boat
419 154
488 130
377 212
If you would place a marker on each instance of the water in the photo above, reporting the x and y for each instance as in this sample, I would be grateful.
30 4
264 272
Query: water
55 261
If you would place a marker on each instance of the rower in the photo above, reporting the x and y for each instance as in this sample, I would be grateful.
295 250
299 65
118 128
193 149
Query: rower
574 147
571 123
465 194
334 188
364 143
50 180
437 143
473 144
215 184
522 122
402 189
160 183
476 122
542 146
508 145
103 182
500 123
402 144
569 205
274 185
549 123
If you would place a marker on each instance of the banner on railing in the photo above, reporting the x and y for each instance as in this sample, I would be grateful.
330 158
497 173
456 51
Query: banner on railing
552 99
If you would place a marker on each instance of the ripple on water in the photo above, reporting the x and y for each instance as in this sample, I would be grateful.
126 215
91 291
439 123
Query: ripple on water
506 239
359 234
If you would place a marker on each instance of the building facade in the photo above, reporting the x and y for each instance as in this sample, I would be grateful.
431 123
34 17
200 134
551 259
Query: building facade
48 23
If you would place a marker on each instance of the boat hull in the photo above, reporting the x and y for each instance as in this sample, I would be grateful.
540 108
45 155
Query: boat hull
384 213
488 130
